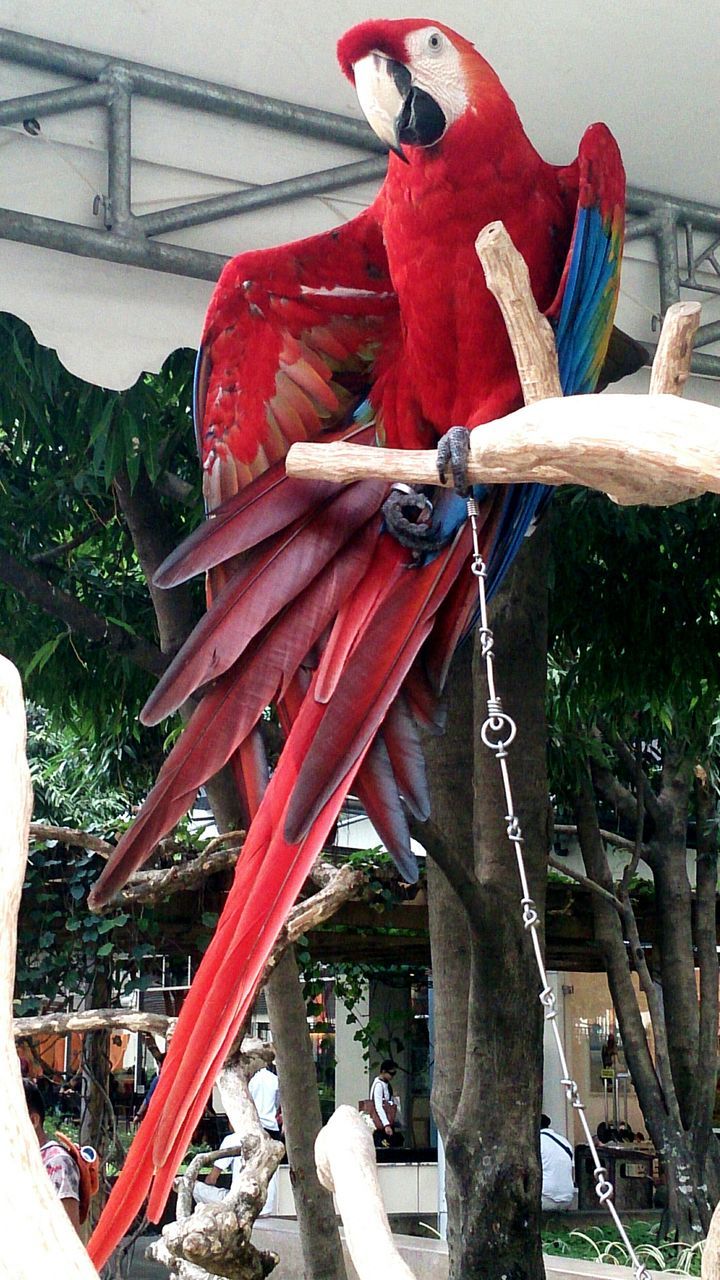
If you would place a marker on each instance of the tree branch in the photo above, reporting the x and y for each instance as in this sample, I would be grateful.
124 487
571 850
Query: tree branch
153 541
586 882
152 886
609 837
344 884
628 759
42 831
60 1024
453 868
77 617
62 548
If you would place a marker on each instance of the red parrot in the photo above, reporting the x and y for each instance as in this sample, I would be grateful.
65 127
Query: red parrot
381 330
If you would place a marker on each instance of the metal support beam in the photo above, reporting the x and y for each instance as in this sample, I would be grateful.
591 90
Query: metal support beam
118 210
189 91
259 197
53 103
84 242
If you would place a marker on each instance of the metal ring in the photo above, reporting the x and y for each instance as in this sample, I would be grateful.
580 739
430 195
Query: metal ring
495 725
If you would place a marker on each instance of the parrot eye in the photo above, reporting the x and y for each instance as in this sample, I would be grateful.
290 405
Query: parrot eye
434 42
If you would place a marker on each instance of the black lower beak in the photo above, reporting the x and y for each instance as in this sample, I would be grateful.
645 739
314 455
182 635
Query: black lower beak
421 122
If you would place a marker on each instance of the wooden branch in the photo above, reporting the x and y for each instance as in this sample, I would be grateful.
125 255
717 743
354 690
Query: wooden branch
671 365
38 1238
586 883
347 883
710 1262
655 450
638 449
215 1238
77 616
531 336
151 886
347 1167
341 885
610 837
42 831
60 1024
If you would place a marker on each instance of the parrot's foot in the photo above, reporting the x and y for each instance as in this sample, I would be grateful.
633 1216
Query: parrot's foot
453 450
408 516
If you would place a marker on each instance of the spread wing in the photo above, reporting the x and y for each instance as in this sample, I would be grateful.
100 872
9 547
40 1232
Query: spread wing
290 342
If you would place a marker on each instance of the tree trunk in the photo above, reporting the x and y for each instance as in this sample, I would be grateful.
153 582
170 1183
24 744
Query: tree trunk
319 1236
450 774
487 1099
687 1197
705 1144
673 906
97 1119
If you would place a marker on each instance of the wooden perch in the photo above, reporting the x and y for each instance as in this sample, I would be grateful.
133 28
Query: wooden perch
38 1238
655 450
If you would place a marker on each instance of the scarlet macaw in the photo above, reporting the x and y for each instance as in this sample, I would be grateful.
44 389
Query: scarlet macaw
383 331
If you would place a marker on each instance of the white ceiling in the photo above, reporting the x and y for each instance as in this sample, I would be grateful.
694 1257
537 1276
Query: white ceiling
649 68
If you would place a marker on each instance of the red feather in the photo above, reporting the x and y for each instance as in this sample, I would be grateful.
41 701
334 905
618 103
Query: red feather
257 592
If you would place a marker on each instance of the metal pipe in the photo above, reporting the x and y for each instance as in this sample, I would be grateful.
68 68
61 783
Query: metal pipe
85 242
708 333
704 217
189 91
645 225
36 105
118 210
668 261
705 365
258 197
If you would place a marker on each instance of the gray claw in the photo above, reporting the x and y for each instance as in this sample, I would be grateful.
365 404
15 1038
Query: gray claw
453 450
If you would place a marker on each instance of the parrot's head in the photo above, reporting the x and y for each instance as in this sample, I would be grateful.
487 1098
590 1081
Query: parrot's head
415 78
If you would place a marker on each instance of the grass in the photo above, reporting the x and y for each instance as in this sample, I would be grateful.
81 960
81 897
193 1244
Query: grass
602 1244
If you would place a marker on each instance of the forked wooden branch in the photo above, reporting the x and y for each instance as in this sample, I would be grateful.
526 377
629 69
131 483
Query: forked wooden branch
214 1239
656 450
38 1238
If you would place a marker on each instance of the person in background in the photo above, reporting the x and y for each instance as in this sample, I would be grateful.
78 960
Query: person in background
556 1154
59 1164
208 1192
381 1096
265 1093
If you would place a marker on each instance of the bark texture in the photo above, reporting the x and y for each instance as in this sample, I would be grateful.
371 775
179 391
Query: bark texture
486 1096
302 1121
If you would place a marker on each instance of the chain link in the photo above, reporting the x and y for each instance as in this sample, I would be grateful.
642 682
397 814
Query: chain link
497 733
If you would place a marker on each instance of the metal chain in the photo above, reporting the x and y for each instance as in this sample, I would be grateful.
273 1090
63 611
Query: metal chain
497 733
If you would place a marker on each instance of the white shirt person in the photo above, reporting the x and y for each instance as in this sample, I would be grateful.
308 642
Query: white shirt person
556 1154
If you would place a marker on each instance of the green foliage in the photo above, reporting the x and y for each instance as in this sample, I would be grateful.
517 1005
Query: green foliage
603 1244
635 626
62 443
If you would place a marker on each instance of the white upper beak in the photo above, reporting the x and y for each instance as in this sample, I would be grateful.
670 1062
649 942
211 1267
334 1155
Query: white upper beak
380 97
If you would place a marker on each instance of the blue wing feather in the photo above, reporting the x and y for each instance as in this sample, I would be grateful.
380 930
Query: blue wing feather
582 313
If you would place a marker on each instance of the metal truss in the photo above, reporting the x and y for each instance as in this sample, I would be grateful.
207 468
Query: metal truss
679 229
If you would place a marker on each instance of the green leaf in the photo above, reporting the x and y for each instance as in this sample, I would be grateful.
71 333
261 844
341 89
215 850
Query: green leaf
44 653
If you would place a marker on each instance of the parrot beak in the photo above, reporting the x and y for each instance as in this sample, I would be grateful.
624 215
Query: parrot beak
396 110
382 86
